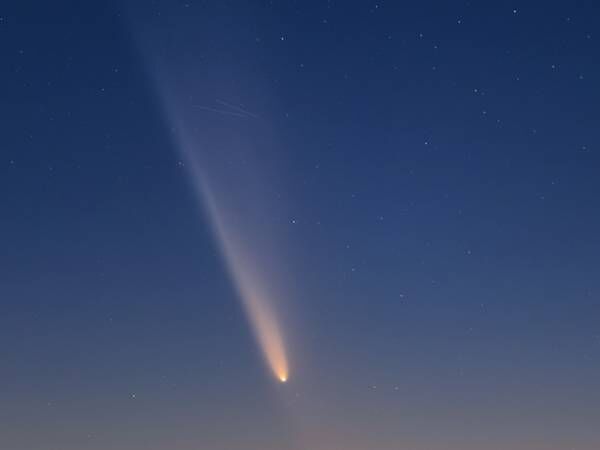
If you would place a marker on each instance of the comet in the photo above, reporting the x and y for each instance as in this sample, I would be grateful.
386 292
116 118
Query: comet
221 155
223 205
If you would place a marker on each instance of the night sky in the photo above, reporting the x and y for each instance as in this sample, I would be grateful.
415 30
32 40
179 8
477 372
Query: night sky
299 225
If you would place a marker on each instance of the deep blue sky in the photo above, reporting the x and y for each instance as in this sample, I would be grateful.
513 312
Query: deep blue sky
432 172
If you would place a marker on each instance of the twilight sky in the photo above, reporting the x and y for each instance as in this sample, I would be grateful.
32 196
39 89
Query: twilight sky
392 205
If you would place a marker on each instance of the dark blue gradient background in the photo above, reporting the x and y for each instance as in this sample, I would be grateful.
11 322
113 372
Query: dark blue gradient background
437 179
